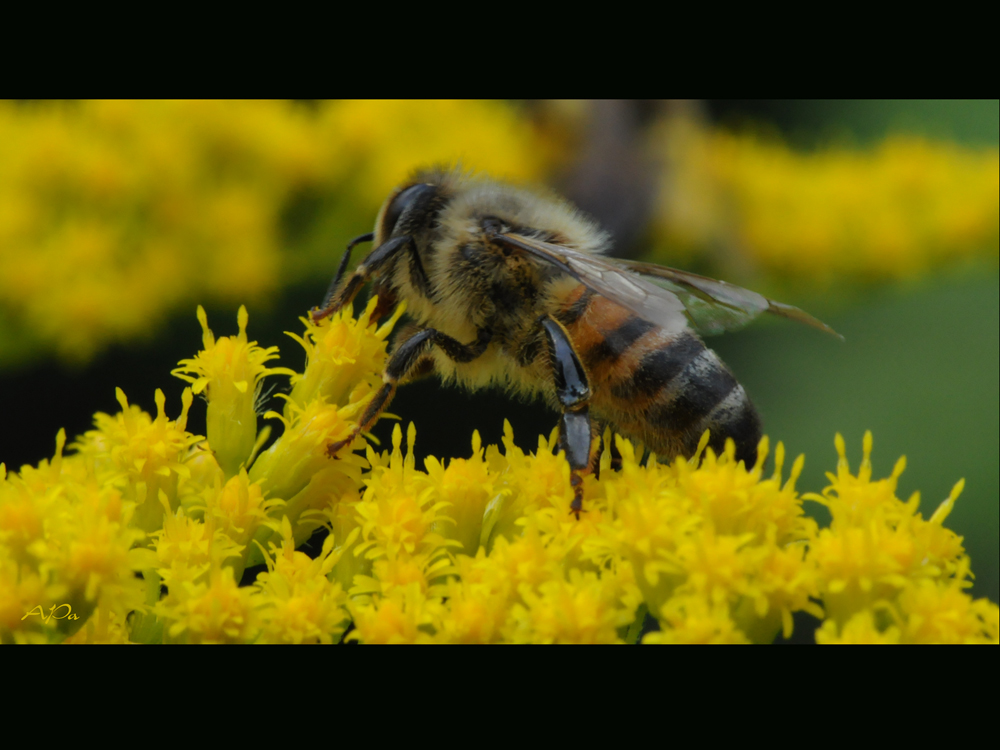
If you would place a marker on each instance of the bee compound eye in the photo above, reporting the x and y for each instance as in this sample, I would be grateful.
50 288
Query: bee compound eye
403 200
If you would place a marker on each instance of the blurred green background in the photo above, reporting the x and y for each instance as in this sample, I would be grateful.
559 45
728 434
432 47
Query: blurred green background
116 219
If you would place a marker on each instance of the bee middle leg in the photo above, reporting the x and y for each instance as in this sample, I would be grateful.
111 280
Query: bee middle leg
573 393
408 362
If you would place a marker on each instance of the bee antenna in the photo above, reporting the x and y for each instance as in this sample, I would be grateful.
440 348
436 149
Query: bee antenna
343 267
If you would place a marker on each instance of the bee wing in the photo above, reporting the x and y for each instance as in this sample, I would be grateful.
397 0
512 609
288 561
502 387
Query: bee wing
647 300
715 306
672 298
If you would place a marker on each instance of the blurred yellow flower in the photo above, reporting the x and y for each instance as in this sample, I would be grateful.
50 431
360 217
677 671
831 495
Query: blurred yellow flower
116 214
893 211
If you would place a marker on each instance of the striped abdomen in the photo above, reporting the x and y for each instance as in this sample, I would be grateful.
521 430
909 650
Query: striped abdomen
662 388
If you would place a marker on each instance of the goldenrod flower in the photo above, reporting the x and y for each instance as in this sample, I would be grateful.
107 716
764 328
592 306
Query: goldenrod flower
104 627
404 615
529 482
286 469
860 629
188 549
466 486
472 550
584 607
239 508
398 515
140 455
216 611
880 556
717 532
344 359
67 547
229 372
296 600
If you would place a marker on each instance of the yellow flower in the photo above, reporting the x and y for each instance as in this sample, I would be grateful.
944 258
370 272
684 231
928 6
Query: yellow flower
586 608
887 575
382 135
713 529
239 507
141 455
114 215
188 549
291 462
529 482
344 357
229 372
859 629
104 627
296 601
477 550
477 602
404 615
466 486
67 547
215 611
876 543
940 612
893 211
694 619
398 516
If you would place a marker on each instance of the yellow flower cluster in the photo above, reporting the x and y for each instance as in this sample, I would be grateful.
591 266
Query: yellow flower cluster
115 214
476 550
897 210
887 575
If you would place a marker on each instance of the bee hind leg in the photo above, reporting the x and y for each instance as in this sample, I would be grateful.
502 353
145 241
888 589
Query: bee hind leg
411 360
573 393
616 455
603 445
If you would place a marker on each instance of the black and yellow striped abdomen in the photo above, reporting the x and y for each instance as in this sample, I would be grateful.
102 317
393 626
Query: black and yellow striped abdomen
662 388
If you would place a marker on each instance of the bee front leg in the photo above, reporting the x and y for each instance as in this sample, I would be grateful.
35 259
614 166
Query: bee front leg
408 361
573 393
337 296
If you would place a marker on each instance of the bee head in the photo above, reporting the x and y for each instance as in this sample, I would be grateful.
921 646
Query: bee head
406 211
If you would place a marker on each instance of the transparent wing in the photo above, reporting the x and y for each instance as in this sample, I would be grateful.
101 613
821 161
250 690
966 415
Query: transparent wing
647 300
716 306
665 296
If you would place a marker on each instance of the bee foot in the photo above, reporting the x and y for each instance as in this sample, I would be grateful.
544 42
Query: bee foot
333 448
576 507
316 315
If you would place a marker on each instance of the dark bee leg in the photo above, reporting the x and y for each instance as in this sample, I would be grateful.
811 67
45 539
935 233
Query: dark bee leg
609 445
409 359
616 455
573 392
424 367
338 297
595 459
343 267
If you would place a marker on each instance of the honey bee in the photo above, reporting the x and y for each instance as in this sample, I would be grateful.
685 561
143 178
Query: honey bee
508 287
